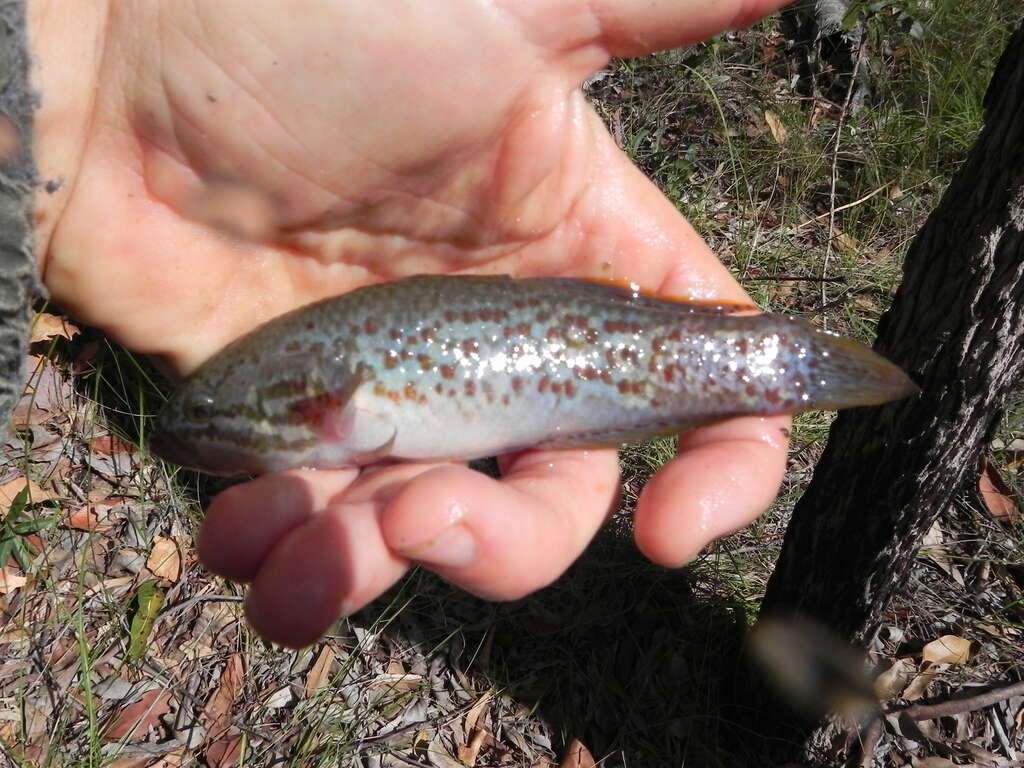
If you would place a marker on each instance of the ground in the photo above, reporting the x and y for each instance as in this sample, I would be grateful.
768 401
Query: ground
118 649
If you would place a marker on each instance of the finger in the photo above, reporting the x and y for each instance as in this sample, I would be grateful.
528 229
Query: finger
332 563
725 475
504 539
247 520
637 27
632 233
329 566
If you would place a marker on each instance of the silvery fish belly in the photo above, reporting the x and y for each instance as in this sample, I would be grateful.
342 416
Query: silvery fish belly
461 367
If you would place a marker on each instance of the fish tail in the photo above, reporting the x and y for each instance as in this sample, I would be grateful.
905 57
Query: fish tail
850 374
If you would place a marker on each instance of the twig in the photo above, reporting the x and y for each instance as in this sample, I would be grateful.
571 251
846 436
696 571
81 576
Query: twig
917 712
959 706
434 722
844 207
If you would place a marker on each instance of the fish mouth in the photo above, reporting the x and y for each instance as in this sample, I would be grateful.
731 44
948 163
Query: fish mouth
166 446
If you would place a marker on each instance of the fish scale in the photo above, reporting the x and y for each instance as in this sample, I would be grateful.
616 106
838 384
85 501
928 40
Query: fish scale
461 367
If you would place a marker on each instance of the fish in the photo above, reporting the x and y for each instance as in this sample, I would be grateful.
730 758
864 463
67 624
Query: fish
443 367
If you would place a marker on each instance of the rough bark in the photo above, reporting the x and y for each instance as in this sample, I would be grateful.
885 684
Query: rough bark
18 283
957 325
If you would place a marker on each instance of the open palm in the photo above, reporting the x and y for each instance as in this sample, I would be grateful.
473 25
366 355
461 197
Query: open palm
383 139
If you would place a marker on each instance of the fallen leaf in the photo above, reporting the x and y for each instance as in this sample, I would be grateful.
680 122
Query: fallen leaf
919 685
577 756
320 672
132 723
934 548
996 495
890 684
778 130
468 753
10 580
95 516
220 705
8 491
224 753
843 242
949 649
47 326
474 713
164 559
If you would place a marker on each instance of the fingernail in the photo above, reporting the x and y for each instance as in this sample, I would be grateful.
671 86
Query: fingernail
455 548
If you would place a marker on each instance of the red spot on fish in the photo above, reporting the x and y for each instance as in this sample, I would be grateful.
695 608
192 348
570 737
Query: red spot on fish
517 384
390 360
505 400
451 393
570 389
543 316
659 344
772 396
293 346
486 315
371 325
533 303
624 386
742 347
553 333
310 325
556 388
543 384
427 334
447 371
519 304
606 377
751 390
426 362
469 317
407 354
470 388
395 335
410 392
675 335
450 317
669 373
439 388
470 346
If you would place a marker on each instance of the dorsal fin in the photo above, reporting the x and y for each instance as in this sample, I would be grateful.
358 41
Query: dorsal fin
636 297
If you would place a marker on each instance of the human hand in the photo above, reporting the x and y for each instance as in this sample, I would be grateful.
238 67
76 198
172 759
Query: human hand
377 140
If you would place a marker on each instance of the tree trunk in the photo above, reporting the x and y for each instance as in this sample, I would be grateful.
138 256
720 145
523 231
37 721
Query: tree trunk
957 326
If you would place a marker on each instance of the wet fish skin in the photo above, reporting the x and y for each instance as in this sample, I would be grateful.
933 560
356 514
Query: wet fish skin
460 367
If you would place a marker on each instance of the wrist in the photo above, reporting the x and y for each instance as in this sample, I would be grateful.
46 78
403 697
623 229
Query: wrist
67 41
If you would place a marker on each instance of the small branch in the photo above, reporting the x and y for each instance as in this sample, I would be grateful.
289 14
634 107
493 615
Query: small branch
959 706
844 207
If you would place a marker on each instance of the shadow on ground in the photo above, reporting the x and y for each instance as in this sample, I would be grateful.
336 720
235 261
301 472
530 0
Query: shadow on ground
619 653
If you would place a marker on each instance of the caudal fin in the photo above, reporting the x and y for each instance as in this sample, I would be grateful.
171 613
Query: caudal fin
850 374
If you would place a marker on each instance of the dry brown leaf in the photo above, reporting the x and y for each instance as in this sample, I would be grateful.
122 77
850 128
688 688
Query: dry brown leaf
8 492
131 762
95 516
843 242
220 705
474 713
468 753
996 495
778 130
577 756
919 684
11 579
949 649
47 326
225 753
134 721
320 672
890 684
164 559
934 548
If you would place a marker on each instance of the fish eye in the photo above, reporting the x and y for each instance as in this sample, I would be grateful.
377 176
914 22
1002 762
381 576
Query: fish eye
199 409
